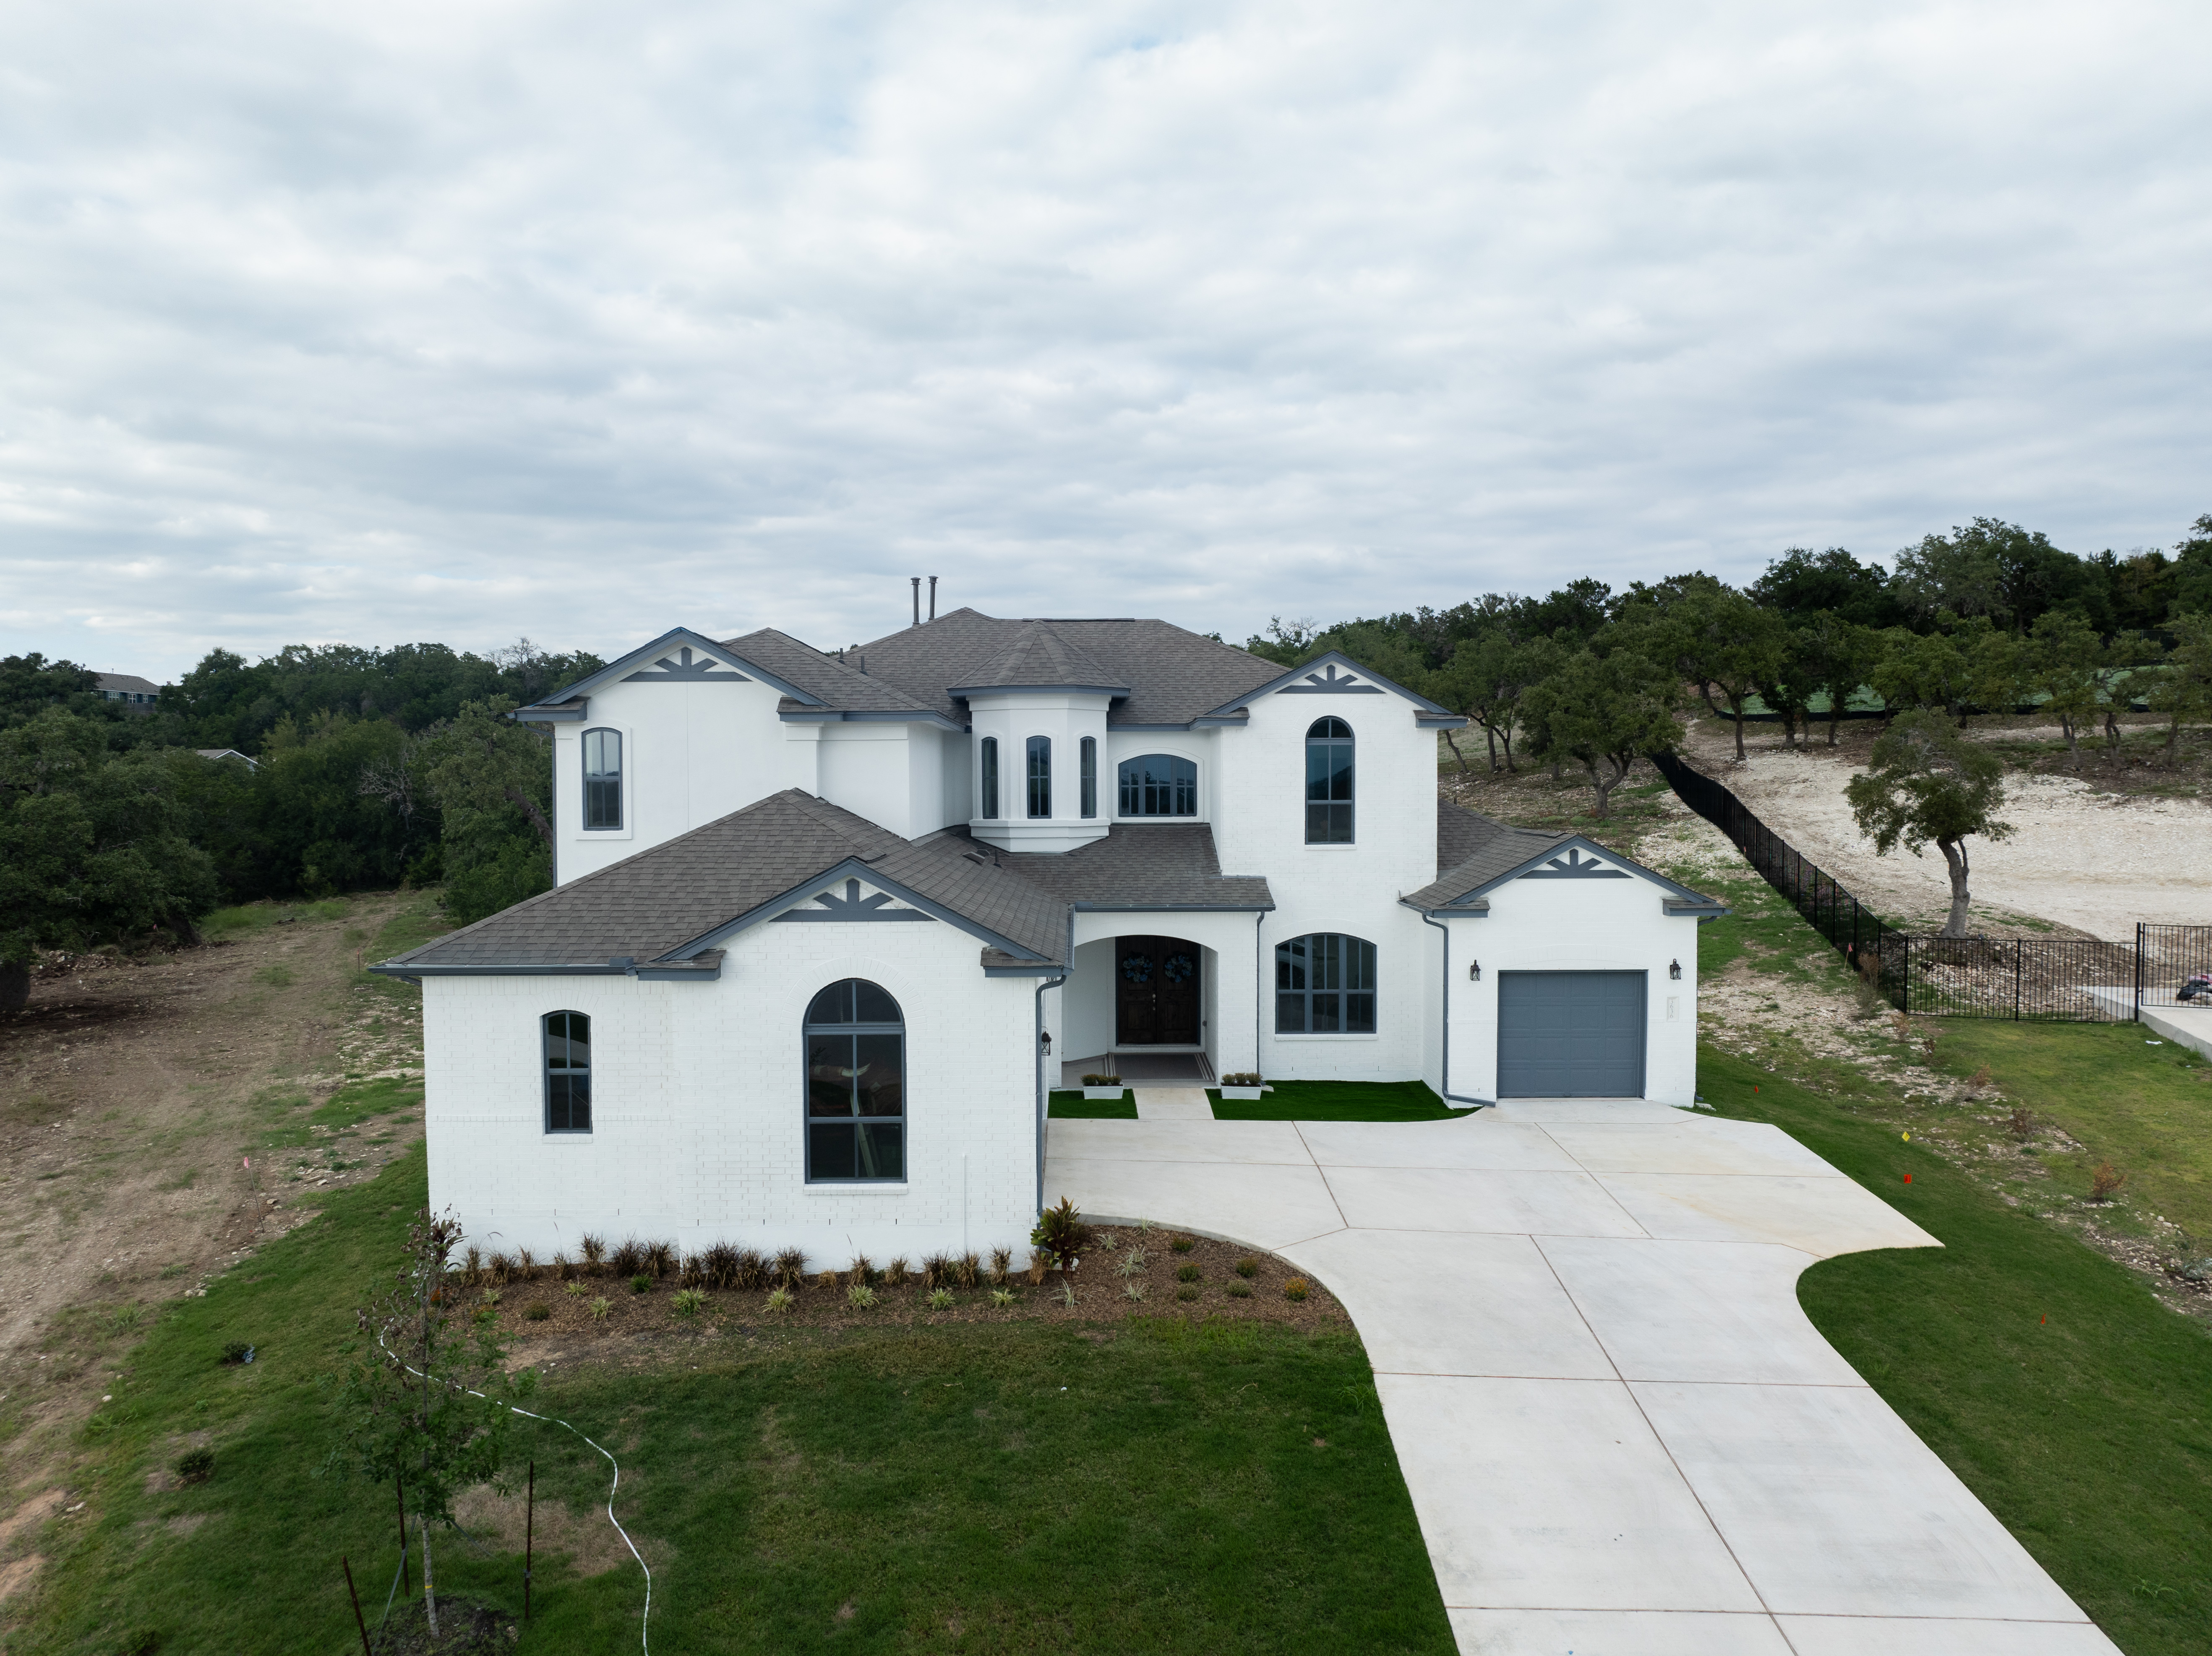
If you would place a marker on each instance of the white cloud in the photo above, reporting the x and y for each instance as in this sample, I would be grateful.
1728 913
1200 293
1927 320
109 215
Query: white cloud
428 322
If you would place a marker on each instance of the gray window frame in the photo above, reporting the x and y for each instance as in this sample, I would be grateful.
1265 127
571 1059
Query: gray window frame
590 777
987 770
1087 765
808 1031
1346 955
545 1070
1036 777
1171 789
1337 809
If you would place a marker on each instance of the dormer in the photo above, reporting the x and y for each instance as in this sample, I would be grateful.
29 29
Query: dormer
1037 713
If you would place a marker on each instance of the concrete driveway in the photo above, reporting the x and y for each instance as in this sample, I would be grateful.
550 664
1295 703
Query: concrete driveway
1622 1436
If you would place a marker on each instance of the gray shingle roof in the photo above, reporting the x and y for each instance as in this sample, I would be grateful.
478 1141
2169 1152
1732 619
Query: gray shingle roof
839 685
1039 655
1173 676
1147 865
1470 850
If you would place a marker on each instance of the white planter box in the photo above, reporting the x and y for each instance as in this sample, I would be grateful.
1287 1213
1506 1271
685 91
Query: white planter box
1104 1092
1244 1092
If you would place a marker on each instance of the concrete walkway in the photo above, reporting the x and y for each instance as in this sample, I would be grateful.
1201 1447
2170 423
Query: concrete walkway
1622 1435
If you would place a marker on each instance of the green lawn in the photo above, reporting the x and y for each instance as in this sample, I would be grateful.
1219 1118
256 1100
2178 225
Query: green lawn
1337 1100
2069 1400
1148 1485
1072 1106
2146 1108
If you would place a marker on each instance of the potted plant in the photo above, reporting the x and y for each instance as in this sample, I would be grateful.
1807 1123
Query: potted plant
1102 1086
1245 1083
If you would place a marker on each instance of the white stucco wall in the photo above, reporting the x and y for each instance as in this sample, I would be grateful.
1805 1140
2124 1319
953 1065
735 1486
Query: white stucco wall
698 1102
1064 721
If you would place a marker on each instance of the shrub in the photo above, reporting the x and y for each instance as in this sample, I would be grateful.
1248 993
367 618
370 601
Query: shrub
1978 1083
196 1465
862 1272
1247 1269
940 1299
564 1267
2105 1182
1296 1288
1186 1293
750 1271
659 1258
1187 1273
1002 1265
1060 1232
1240 1290
1102 1081
859 1297
1241 1078
237 1351
1003 1297
828 1280
692 1272
789 1268
967 1272
897 1272
498 1268
719 1267
599 1308
779 1299
1067 1293
538 1313
1131 1262
1182 1245
595 1252
1132 1290
936 1271
687 1302
1039 1262
491 1296
526 1265
577 1290
641 1282
2021 1122
628 1259
472 1266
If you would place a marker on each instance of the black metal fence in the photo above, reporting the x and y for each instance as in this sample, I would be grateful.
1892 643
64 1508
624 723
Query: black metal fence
2051 980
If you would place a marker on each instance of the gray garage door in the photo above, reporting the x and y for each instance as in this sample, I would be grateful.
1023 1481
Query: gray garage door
1570 1035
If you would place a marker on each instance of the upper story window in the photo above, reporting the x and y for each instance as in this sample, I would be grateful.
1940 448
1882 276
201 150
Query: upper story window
855 1083
1089 753
567 1072
1328 783
1325 985
1040 774
1159 784
988 769
603 779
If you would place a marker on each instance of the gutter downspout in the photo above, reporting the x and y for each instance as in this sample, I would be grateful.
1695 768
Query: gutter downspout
1259 986
1450 1097
1036 1049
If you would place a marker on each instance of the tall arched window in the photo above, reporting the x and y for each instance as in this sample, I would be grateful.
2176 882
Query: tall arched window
1325 986
1039 775
1089 753
567 1072
856 1084
1328 783
1158 785
989 770
603 778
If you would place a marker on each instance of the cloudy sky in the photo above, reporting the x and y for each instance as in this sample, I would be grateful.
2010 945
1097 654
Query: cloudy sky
458 321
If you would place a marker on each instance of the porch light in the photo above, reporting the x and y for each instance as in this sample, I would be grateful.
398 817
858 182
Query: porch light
1474 971
1674 969
1047 1033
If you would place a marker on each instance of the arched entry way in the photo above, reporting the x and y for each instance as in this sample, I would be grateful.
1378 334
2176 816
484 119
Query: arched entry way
1159 991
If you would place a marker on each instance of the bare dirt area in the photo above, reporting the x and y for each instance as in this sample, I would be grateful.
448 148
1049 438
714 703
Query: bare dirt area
161 1118
2091 855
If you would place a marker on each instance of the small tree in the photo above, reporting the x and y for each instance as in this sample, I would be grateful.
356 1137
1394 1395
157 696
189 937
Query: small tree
2065 664
1834 657
1926 782
2183 693
429 1402
1602 711
1719 641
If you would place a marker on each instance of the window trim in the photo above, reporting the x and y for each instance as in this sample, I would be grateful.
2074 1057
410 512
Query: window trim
1087 776
987 778
1036 778
1121 795
545 1073
1306 1032
1317 734
585 779
807 1031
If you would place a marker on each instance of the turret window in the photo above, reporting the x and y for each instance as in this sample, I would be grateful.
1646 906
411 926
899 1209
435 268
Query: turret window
1039 775
989 768
1088 752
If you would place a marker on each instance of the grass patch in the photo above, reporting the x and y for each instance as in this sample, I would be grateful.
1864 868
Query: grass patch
1337 1100
414 923
1074 1107
2088 1435
2144 1108
1156 1486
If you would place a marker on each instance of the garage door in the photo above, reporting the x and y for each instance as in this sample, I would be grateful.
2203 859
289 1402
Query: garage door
1570 1035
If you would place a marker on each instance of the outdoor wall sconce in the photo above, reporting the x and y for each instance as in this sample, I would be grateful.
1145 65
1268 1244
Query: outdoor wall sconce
1474 971
1674 970
1046 1036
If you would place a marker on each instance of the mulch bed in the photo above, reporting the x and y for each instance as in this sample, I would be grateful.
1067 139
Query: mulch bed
1100 1281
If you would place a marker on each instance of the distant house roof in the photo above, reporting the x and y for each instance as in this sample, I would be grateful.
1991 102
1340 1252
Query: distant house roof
130 682
250 763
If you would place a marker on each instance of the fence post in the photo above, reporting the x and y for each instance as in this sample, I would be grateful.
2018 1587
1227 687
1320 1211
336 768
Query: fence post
2018 954
2139 948
1905 992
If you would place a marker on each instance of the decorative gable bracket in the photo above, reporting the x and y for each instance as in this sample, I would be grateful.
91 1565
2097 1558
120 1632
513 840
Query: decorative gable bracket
852 907
1330 682
1575 866
681 668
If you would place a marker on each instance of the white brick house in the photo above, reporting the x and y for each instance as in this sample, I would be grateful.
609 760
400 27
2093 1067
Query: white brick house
827 928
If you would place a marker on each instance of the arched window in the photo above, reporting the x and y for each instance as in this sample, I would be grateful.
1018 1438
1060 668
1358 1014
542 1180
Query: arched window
856 1084
989 770
1328 783
567 1072
1088 751
603 778
1040 755
1158 785
1325 984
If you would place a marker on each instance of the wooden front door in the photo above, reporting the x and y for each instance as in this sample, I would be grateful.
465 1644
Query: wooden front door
1156 991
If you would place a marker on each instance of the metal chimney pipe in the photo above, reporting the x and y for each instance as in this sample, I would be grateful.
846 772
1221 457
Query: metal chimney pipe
917 579
933 598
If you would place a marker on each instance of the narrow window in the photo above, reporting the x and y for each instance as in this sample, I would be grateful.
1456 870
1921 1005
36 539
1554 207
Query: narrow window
1328 783
1040 751
1089 753
855 1083
1325 986
1159 784
990 775
603 778
567 1072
